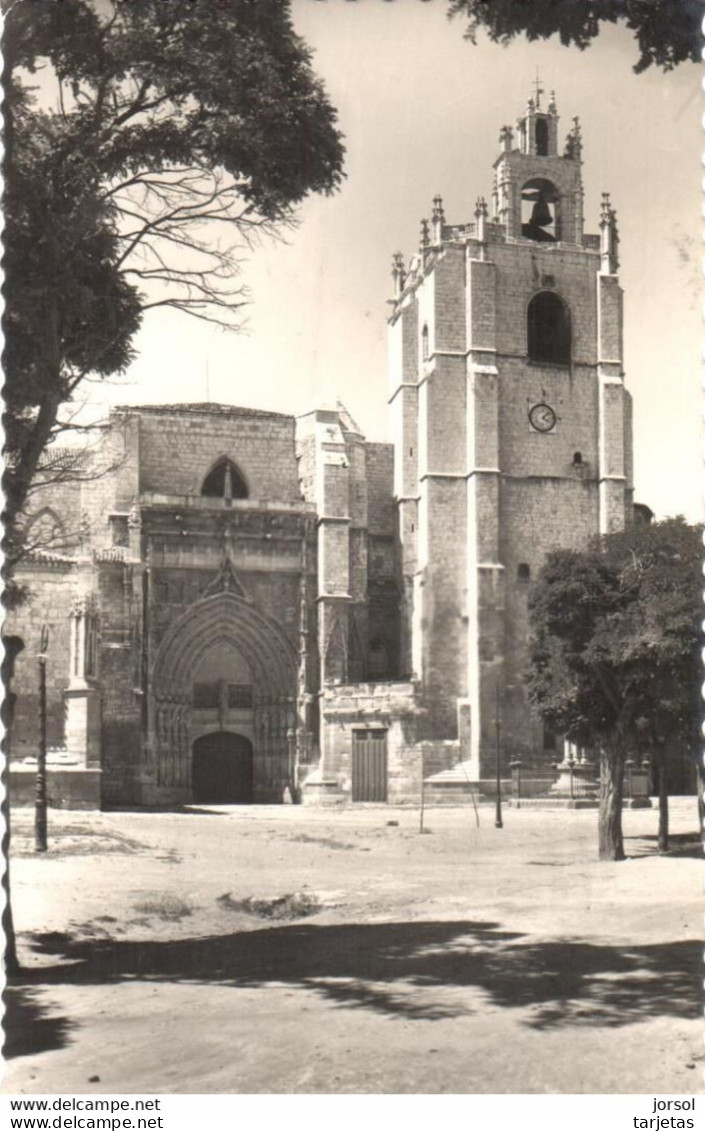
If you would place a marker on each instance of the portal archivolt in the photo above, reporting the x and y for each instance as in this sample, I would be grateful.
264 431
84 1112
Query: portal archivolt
270 658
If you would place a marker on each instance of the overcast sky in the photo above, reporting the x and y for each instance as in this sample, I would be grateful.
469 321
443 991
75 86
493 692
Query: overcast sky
421 109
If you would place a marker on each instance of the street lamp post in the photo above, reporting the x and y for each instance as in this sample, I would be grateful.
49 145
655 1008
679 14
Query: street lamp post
40 804
498 823
292 774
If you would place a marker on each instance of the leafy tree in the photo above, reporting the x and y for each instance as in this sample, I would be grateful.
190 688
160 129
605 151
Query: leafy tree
668 32
615 653
165 138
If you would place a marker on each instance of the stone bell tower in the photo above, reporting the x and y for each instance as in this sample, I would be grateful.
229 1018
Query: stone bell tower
512 428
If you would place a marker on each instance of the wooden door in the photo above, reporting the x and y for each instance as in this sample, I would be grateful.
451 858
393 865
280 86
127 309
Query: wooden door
369 765
222 769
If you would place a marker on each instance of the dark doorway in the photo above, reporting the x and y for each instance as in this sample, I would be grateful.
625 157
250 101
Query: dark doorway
369 765
222 769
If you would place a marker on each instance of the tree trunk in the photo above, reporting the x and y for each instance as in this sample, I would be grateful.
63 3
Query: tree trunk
12 645
610 840
11 962
662 802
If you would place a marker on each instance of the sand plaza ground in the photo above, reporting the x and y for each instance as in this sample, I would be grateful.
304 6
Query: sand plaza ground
278 950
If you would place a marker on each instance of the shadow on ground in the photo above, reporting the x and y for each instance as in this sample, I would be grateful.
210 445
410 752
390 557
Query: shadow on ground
29 1024
188 810
685 845
412 969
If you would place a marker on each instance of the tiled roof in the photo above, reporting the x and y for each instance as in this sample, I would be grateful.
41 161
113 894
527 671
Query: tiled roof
47 557
64 458
201 408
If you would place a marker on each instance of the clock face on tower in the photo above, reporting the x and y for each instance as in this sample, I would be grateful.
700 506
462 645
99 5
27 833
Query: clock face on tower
542 418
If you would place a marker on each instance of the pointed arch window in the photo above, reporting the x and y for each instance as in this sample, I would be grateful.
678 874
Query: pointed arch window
225 481
45 530
548 329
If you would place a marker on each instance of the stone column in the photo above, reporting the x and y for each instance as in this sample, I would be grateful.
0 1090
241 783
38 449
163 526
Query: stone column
82 695
612 444
485 572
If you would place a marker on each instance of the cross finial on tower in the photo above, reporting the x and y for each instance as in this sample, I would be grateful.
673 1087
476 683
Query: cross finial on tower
539 90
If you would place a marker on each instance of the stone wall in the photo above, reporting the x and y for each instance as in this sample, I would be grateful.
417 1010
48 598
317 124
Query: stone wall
51 588
391 707
122 691
67 787
179 446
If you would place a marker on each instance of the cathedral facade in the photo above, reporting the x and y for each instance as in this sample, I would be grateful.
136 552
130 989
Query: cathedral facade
245 606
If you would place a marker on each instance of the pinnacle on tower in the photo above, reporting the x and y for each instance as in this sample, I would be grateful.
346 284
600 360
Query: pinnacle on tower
398 273
609 237
481 219
438 220
506 137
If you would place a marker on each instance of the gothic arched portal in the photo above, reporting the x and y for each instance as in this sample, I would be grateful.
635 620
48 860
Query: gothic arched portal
220 622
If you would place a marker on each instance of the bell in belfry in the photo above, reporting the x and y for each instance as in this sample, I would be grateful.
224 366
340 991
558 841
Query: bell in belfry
541 215
541 221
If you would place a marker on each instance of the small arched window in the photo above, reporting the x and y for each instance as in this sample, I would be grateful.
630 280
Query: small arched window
424 343
548 329
523 571
224 481
577 459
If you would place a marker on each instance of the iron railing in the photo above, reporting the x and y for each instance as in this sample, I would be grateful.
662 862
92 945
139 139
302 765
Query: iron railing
573 780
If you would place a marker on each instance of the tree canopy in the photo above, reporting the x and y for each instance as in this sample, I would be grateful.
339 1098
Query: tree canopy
164 138
668 32
615 645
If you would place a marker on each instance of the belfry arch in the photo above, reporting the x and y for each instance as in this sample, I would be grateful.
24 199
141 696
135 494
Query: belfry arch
540 211
229 622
